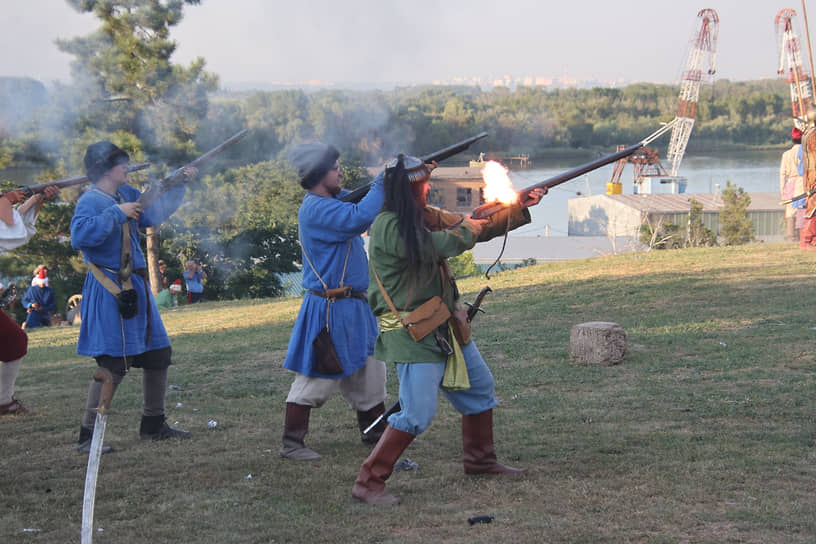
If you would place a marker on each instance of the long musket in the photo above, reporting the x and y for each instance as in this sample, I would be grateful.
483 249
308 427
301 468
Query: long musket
31 190
155 190
357 194
489 208
94 456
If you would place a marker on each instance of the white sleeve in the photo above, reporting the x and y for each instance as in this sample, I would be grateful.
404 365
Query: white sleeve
13 236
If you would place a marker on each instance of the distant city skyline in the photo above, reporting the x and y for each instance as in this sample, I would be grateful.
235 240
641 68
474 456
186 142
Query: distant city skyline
380 43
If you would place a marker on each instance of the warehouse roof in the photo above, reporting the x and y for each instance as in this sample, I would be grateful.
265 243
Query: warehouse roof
678 203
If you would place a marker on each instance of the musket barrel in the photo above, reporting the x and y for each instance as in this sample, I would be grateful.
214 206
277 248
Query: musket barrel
440 155
157 189
489 208
452 150
30 190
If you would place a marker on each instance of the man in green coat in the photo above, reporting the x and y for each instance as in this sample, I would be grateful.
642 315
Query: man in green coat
407 269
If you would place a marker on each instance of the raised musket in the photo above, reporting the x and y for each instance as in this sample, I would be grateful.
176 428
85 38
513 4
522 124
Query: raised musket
155 190
357 194
489 208
31 190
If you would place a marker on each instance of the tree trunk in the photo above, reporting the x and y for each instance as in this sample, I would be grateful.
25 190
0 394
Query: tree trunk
153 243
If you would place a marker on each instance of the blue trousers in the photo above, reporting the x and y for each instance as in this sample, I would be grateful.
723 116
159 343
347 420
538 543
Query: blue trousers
419 383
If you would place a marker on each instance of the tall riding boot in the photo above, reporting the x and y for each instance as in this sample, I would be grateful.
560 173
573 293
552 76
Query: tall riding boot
370 485
294 431
156 428
366 418
477 441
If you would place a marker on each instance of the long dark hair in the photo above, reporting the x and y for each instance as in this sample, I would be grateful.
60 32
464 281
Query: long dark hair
400 199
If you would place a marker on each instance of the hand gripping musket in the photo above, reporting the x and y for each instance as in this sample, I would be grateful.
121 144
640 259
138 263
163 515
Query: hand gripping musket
486 210
155 190
95 454
357 194
31 190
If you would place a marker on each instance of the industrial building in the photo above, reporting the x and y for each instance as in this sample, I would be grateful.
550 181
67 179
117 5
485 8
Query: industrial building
622 215
454 188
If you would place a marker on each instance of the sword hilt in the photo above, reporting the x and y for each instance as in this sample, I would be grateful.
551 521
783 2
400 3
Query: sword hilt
103 375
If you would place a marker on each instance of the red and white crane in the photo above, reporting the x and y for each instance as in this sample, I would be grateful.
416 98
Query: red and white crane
791 67
703 48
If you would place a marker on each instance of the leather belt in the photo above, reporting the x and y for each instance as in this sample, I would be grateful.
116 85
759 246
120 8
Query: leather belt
349 294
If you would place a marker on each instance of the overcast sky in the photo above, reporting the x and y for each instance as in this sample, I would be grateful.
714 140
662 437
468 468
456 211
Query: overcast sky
420 41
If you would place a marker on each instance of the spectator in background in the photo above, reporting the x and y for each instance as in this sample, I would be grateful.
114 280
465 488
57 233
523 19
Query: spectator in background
165 283
167 298
790 184
194 275
39 301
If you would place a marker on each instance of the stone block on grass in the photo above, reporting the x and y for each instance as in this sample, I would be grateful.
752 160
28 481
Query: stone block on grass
597 342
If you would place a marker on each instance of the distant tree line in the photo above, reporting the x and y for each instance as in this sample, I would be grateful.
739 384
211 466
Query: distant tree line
239 218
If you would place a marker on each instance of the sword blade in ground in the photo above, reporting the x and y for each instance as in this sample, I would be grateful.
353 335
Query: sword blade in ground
95 454
91 475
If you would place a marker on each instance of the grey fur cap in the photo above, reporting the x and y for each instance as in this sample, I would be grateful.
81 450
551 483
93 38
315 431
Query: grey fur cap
313 160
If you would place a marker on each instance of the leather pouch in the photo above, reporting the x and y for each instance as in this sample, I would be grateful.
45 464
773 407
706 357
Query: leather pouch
128 302
325 356
425 319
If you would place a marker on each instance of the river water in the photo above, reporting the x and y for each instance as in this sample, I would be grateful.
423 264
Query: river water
754 171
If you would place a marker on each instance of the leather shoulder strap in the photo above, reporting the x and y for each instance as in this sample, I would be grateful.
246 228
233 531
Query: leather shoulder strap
385 295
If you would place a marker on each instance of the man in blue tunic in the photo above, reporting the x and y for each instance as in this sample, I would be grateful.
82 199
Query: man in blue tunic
335 310
39 301
121 327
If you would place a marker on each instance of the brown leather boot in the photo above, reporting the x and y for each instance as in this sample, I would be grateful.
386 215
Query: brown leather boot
366 418
477 441
370 485
294 431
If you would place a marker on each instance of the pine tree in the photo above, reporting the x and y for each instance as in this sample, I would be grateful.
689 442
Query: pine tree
735 225
697 234
128 91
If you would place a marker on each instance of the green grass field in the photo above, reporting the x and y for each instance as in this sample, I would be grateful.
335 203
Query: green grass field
705 433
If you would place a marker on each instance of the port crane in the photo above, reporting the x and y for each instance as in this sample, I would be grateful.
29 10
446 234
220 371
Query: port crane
702 50
791 67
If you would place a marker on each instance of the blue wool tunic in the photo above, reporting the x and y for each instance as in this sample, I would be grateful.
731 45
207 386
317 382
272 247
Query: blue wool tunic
326 227
96 230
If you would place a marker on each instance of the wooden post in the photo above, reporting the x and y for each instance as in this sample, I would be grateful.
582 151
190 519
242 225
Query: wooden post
153 244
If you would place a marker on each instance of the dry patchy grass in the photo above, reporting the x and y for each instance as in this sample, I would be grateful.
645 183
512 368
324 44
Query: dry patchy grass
705 433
